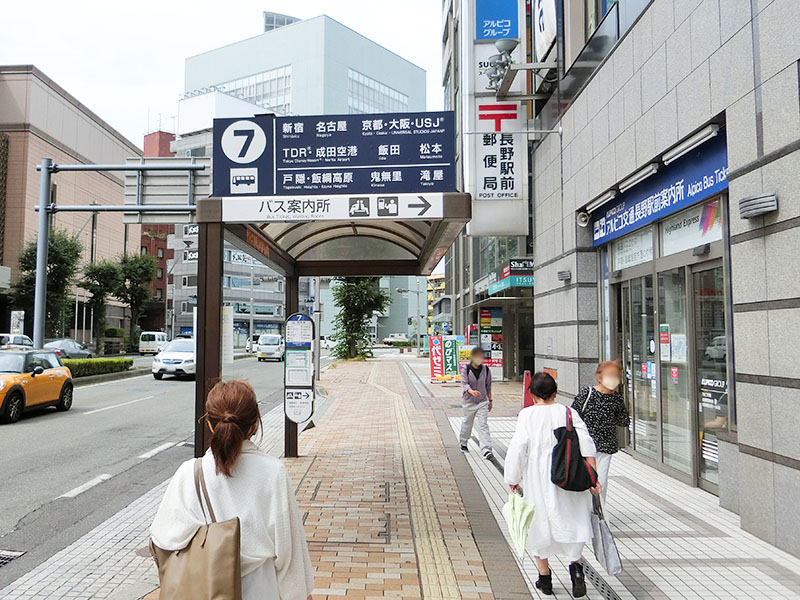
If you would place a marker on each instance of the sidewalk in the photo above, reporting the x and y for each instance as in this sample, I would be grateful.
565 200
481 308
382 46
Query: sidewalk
392 508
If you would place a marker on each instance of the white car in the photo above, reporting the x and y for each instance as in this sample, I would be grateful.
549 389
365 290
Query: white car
716 350
177 358
394 338
270 346
15 341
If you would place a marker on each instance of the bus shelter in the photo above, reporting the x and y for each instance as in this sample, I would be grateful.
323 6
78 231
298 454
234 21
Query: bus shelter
410 243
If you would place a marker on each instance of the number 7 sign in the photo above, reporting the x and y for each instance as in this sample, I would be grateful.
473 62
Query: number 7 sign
243 142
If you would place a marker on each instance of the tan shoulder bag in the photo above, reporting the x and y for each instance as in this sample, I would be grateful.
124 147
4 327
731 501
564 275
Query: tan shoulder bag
209 568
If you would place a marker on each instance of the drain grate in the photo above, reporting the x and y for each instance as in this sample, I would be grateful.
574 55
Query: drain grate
6 556
599 583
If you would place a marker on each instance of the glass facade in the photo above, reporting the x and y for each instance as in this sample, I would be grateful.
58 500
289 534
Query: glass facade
494 252
271 89
667 314
365 95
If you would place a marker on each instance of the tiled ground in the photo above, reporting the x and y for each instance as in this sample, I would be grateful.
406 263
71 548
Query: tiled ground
385 517
104 563
675 541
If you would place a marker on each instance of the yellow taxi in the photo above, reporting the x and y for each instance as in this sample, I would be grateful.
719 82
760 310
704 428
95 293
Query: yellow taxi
32 379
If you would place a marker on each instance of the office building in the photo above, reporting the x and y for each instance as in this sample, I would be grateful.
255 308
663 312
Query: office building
154 242
312 66
38 119
664 231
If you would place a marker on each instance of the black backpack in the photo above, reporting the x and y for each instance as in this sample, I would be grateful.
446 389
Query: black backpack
569 469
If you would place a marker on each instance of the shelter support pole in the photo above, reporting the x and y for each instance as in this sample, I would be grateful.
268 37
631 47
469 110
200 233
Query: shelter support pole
290 427
208 328
42 243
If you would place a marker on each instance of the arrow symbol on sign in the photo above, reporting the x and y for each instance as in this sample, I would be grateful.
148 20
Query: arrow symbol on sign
424 206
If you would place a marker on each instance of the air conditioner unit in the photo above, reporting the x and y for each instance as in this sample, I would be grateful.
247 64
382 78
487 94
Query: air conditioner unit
755 206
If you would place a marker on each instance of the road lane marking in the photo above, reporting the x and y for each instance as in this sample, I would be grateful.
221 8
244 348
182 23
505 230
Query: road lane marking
155 451
89 484
97 410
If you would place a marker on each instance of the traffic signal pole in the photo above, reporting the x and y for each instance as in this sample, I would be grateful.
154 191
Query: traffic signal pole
43 240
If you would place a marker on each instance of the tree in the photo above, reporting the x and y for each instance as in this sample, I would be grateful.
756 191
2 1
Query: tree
356 299
133 290
101 280
63 255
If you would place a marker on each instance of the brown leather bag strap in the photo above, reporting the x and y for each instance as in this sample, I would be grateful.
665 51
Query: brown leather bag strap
198 473
205 492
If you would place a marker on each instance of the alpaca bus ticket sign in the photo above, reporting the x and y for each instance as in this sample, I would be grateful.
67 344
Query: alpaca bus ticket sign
298 396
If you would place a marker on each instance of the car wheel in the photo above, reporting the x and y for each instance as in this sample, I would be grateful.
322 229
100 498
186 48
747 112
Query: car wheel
90 356
158 375
14 406
65 399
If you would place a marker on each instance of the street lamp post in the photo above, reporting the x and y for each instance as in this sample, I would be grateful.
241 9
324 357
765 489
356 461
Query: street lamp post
252 300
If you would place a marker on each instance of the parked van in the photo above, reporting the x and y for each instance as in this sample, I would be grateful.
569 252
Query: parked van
152 342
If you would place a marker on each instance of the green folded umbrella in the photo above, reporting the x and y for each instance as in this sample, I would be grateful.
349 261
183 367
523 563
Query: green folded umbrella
518 515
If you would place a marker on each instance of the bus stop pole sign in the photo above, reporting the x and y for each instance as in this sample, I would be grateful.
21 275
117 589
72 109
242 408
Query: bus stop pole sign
298 399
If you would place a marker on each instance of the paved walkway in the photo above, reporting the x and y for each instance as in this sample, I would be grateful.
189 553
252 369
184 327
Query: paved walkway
392 508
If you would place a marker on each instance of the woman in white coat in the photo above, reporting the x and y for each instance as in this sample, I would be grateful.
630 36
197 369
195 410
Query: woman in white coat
242 482
562 518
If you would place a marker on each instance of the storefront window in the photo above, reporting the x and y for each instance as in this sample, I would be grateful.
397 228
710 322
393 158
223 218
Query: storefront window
643 348
673 353
712 373
633 249
701 224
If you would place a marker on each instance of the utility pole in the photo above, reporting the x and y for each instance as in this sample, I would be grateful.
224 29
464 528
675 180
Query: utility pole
252 293
43 239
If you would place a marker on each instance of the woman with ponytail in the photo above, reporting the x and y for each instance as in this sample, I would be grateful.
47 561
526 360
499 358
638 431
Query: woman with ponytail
242 482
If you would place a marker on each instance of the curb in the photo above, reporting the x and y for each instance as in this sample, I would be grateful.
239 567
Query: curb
135 372
90 379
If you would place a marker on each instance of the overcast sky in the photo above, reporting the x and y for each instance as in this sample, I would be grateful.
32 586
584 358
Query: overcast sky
125 60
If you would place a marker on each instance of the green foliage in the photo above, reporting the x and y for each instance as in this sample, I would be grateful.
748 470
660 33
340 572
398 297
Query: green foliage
401 344
133 290
63 254
356 299
83 367
101 280
115 332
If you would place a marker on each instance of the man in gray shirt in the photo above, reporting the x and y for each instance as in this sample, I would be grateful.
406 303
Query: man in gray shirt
476 400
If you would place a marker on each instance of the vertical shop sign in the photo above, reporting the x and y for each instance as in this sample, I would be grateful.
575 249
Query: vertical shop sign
544 26
495 154
437 358
491 336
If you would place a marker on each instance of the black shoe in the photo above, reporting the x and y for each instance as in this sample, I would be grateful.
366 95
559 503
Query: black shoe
578 580
545 584
464 448
487 454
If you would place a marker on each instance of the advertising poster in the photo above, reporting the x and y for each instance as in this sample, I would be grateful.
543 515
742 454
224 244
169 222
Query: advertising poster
491 335
437 358
17 321
679 347
664 342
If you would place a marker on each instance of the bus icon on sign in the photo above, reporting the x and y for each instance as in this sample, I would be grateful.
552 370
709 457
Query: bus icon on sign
244 181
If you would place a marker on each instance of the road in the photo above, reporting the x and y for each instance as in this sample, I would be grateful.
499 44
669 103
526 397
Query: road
110 426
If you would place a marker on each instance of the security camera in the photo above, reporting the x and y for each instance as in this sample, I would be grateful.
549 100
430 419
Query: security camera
583 219
506 46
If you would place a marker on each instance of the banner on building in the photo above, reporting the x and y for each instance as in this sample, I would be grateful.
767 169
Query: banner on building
544 27
700 174
495 161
